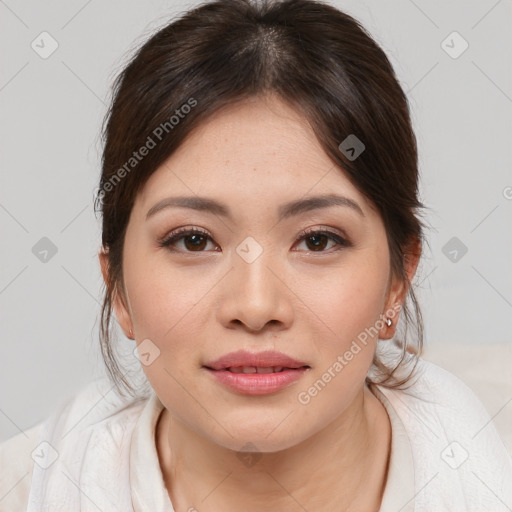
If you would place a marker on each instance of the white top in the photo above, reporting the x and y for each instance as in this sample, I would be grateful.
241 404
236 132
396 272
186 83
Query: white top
100 453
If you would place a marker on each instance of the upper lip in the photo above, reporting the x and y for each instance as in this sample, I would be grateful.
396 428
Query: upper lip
259 359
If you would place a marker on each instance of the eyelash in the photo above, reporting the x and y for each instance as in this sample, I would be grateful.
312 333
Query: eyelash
181 233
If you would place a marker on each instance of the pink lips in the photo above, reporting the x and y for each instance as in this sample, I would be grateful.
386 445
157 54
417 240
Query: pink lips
256 373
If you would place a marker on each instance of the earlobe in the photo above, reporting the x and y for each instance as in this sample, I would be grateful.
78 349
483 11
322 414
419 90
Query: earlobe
120 309
397 292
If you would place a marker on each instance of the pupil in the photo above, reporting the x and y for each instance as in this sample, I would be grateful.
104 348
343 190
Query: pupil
318 242
197 243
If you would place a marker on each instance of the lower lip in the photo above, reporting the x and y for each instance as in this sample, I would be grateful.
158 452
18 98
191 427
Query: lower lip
257 383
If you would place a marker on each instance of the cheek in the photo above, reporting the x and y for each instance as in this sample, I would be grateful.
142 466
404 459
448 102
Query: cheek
161 296
165 306
345 342
348 300
169 306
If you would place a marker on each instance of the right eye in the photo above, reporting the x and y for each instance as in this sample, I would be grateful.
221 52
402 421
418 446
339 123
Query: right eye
194 240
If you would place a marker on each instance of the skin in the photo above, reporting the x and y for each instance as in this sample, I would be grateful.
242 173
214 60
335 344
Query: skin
197 305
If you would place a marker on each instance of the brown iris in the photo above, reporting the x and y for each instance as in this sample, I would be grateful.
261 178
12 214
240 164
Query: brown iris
198 242
317 244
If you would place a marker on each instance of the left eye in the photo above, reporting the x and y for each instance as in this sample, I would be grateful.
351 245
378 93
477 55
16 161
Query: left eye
318 240
194 240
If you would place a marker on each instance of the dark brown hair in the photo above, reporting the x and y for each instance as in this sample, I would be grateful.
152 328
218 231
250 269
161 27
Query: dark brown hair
317 59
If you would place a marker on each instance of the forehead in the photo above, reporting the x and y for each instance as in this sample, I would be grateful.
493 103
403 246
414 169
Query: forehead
260 149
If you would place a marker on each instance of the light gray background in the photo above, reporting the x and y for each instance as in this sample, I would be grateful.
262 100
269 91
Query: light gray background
51 111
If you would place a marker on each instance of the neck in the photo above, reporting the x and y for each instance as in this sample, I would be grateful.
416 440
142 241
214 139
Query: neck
342 467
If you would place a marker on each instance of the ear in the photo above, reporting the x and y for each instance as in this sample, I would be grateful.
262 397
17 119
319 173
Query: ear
397 290
118 301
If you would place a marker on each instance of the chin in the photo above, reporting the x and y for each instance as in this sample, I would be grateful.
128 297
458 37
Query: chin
258 438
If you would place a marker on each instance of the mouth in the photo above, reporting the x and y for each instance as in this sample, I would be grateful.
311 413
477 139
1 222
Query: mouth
248 370
257 380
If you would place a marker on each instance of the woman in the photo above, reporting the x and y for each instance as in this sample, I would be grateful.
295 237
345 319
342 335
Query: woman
261 231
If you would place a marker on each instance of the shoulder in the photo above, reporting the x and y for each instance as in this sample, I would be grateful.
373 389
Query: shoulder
98 406
67 432
448 400
16 466
456 448
431 391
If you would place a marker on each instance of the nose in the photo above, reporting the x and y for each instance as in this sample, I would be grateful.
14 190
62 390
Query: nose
255 296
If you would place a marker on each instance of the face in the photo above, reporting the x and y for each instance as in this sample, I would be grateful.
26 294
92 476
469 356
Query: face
255 276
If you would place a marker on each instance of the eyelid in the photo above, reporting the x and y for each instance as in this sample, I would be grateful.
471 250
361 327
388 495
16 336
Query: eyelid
339 237
180 233
341 240
323 229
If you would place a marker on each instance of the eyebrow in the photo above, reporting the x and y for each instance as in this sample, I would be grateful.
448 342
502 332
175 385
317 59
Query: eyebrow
285 211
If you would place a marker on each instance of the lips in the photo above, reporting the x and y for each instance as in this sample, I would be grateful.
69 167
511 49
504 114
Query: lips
257 369
256 374
246 362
